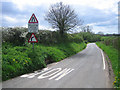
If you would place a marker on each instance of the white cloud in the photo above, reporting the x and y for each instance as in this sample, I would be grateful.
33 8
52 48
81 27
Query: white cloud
106 29
23 4
26 26
99 4
105 23
41 27
109 26
14 20
10 19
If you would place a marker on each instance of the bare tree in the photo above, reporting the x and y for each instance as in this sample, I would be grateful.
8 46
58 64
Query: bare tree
62 17
87 28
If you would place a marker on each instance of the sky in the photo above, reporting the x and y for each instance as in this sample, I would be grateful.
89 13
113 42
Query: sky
101 15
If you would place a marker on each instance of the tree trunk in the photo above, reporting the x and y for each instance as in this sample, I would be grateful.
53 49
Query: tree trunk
61 32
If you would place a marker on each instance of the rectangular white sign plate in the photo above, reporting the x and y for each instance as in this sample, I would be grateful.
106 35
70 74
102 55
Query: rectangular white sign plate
32 27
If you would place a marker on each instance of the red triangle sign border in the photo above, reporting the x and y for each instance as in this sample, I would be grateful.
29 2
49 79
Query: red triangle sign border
31 37
31 18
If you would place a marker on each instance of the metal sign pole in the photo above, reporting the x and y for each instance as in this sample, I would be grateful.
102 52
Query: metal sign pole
33 46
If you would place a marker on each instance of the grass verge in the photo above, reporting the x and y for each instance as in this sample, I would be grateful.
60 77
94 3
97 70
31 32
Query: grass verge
113 56
18 60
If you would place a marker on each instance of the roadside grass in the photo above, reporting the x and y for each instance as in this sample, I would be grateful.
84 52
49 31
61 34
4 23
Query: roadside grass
18 60
113 56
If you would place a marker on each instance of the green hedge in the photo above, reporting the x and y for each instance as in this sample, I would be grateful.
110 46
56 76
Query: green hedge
111 41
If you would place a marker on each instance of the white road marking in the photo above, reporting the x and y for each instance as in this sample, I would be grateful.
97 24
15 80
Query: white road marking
103 59
56 73
62 73
25 75
65 72
45 69
34 74
44 75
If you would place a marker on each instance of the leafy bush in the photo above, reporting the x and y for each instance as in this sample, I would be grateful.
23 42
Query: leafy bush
74 38
16 59
17 36
88 36
111 40
50 38
13 36
46 37
37 60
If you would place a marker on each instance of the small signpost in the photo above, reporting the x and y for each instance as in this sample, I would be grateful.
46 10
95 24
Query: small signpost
33 28
33 24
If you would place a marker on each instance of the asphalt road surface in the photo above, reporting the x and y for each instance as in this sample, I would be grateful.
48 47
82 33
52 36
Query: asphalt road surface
86 69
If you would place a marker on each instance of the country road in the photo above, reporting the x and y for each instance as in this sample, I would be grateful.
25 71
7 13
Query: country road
86 69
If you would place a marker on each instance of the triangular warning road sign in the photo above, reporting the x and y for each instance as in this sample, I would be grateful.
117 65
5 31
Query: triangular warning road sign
33 19
33 39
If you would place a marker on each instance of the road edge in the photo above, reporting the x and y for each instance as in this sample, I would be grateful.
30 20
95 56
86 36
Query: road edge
108 70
